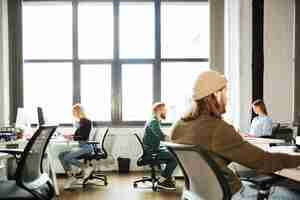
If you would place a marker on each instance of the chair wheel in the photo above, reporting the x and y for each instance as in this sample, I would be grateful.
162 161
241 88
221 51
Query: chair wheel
154 189
135 185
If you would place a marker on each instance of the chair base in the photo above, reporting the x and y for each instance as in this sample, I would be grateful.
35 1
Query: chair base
152 179
94 176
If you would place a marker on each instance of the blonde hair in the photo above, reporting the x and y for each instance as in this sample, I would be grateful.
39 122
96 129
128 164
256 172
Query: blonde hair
78 107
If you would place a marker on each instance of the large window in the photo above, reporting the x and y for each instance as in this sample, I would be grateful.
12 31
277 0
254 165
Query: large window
137 92
137 30
47 35
177 89
96 91
114 57
49 85
185 30
95 30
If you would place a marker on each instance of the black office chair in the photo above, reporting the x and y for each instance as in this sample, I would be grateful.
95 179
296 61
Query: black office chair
147 161
99 153
203 177
260 182
30 182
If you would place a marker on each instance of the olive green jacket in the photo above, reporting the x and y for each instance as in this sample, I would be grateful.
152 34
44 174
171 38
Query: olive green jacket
219 137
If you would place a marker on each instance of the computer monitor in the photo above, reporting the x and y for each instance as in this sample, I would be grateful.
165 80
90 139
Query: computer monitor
41 117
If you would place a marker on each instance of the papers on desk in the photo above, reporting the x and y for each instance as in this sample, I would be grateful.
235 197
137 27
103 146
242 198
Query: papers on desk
282 149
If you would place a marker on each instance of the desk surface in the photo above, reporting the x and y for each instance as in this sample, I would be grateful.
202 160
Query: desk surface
293 173
263 140
4 156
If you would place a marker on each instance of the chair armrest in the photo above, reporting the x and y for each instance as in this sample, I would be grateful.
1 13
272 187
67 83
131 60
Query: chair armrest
92 142
12 151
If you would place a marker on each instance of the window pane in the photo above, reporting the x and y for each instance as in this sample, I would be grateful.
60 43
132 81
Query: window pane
96 91
95 25
185 30
49 85
137 30
177 83
47 30
137 92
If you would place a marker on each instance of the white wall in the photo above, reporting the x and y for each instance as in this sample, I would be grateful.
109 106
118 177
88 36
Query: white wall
279 65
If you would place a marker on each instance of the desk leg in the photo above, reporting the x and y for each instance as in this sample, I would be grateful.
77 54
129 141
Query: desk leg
53 174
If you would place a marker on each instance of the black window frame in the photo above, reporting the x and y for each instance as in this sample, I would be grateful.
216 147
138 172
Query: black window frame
116 62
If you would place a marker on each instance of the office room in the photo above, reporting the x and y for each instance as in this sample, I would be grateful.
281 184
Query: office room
149 99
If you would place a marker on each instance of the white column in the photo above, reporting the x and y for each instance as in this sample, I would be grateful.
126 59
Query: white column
4 87
216 58
238 42
245 64
232 59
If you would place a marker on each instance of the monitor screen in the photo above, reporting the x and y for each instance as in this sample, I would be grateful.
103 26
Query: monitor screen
41 118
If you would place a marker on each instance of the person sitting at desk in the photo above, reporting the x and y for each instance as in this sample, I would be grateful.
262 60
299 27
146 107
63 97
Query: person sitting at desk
261 125
152 138
69 159
204 126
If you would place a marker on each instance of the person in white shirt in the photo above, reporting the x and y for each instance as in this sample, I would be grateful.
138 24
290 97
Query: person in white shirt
261 125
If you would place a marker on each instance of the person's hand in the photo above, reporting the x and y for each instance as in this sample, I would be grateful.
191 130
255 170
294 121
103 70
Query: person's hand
68 136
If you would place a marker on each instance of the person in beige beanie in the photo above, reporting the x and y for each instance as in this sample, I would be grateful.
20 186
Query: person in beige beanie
204 126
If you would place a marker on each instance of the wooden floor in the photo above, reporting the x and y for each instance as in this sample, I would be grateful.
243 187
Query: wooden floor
119 188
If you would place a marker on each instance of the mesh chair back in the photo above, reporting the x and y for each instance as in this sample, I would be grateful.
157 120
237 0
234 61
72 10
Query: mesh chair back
102 139
141 144
108 143
30 165
204 179
103 142
93 133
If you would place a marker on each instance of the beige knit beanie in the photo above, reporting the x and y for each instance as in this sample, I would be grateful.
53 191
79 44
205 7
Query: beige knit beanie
207 83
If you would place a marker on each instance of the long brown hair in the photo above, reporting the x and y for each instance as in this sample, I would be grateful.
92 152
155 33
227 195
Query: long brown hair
207 105
260 103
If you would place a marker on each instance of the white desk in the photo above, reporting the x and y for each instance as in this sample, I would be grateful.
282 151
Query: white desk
293 173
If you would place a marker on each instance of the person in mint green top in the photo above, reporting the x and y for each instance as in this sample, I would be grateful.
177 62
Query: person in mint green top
152 138
261 125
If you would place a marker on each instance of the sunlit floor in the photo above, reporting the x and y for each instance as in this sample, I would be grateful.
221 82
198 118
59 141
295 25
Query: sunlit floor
119 187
